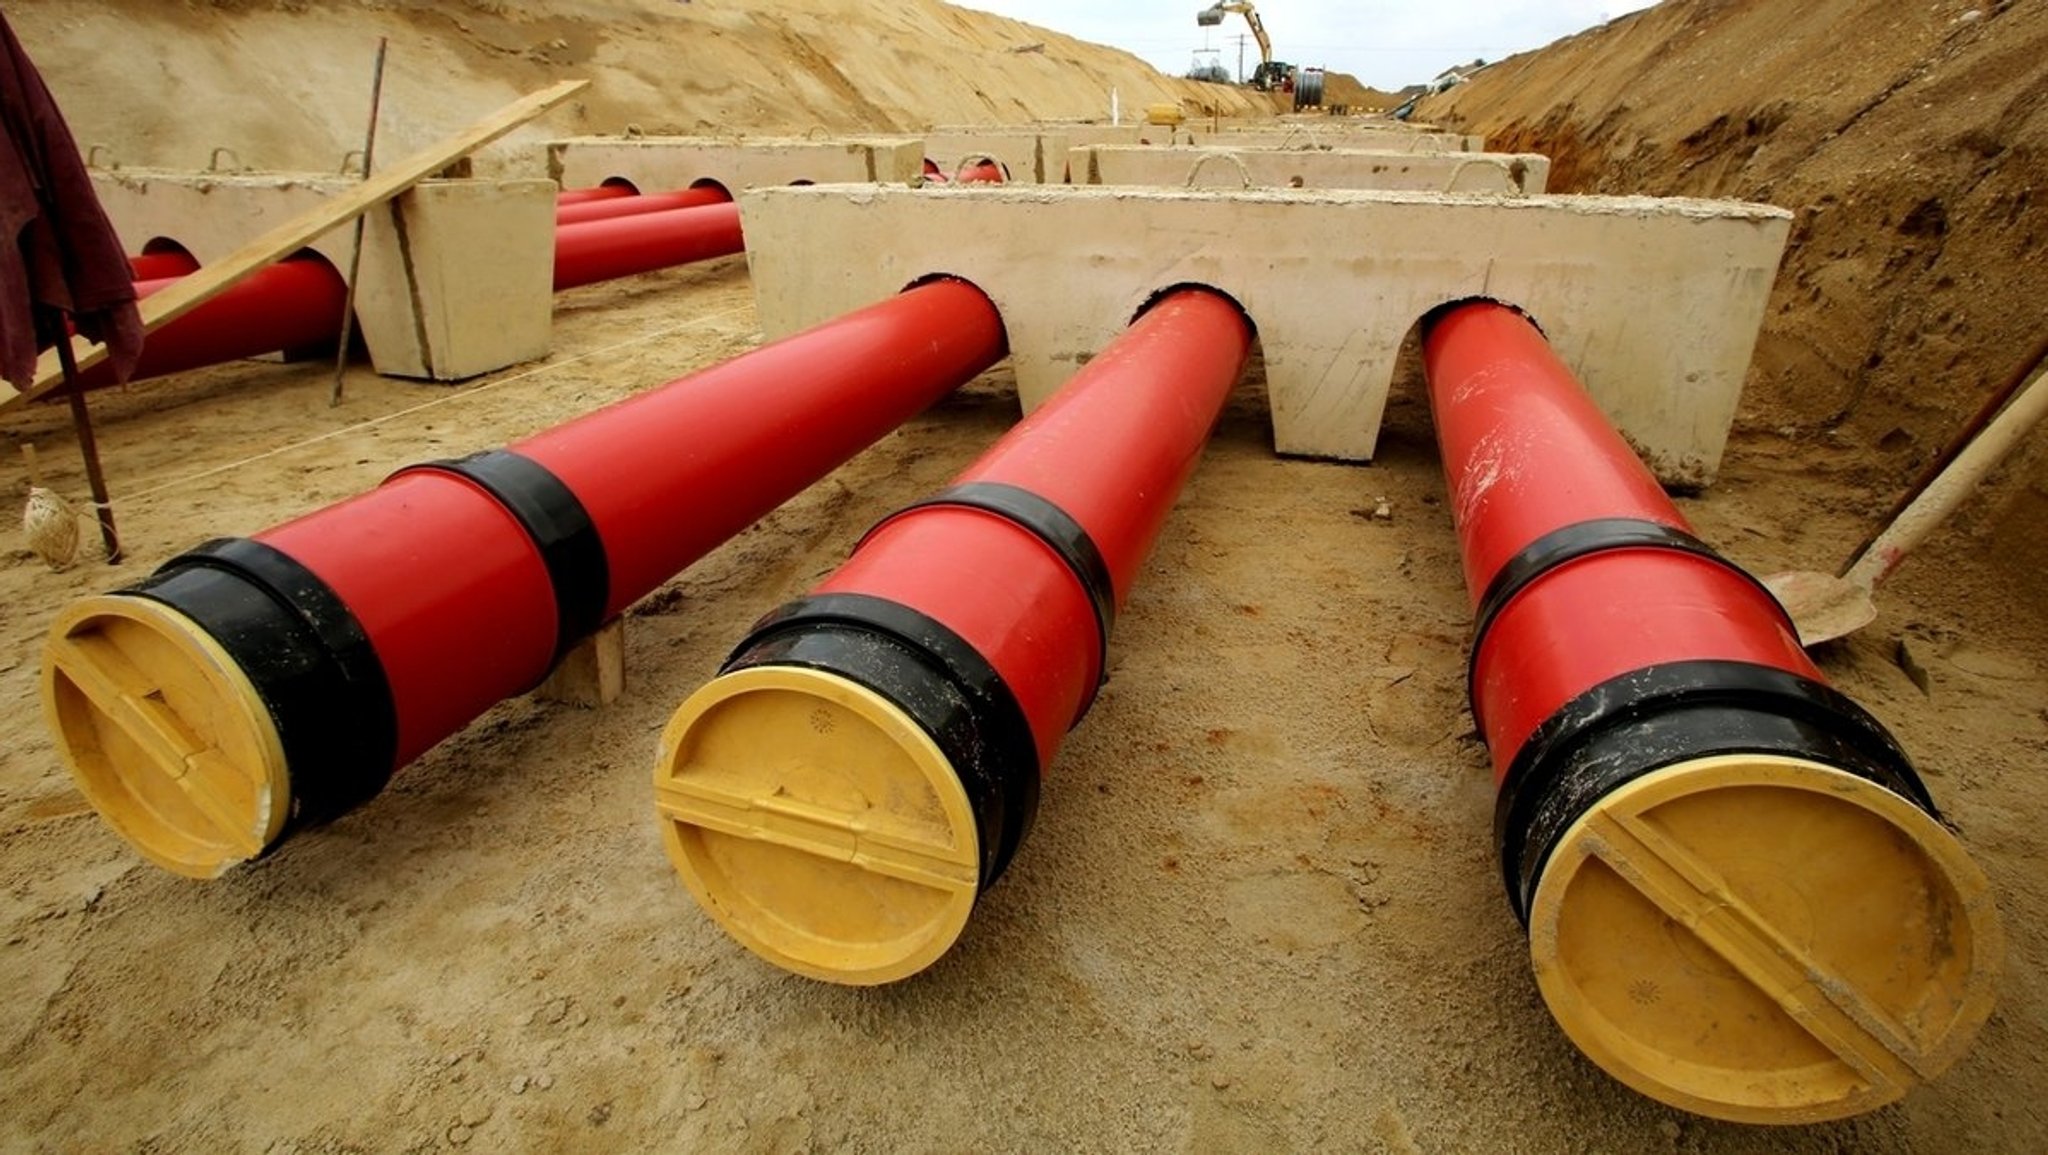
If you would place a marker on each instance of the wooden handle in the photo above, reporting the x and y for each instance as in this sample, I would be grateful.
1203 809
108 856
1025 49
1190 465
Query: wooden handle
1954 486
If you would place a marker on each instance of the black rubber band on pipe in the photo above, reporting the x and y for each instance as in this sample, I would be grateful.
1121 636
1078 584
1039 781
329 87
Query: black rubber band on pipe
551 514
932 674
307 656
1663 715
1060 533
1571 543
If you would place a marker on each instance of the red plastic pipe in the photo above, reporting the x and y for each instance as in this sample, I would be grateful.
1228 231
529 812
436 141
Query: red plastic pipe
298 302
1734 881
933 174
1529 455
980 172
374 628
634 206
603 250
947 658
158 266
603 192
1111 450
290 305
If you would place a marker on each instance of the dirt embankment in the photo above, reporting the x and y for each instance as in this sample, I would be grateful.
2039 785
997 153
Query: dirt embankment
1912 141
285 84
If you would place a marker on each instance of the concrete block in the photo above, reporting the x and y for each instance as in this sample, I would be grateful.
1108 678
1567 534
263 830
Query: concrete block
1035 156
1215 166
668 163
213 214
1656 304
1377 138
456 276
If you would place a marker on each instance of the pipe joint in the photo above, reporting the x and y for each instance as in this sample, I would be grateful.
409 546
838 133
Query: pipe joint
561 530
1061 534
1641 722
938 680
307 656
1573 543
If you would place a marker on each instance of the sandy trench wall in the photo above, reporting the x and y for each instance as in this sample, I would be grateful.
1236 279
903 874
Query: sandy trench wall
285 84
1911 142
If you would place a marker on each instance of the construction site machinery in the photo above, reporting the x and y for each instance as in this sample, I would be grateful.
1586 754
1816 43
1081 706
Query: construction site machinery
1271 75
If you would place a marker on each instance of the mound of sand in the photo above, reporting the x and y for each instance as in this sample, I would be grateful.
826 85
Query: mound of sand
285 84
1260 910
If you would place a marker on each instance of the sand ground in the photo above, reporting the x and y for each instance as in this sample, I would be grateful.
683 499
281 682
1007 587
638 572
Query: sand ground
1260 909
1259 912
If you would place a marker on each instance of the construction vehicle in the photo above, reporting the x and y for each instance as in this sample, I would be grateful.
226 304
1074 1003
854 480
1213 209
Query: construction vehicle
1271 75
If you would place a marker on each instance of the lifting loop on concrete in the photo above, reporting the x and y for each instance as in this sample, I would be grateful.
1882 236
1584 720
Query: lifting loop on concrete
1458 170
1243 174
213 161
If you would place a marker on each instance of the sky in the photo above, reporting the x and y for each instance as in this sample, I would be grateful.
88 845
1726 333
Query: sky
1387 45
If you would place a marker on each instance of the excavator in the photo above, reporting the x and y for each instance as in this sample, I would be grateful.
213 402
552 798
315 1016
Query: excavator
1271 75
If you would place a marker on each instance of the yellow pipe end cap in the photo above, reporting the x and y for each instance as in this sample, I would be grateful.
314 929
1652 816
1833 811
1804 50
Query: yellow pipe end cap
1765 940
164 734
818 824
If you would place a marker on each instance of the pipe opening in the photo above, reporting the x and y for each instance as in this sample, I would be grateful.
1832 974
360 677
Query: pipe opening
1153 301
933 278
1429 320
708 183
619 182
165 246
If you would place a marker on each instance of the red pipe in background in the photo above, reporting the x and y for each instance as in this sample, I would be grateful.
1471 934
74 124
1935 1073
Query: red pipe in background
162 265
633 206
869 759
933 174
290 305
297 303
1739 896
980 172
603 192
291 674
604 250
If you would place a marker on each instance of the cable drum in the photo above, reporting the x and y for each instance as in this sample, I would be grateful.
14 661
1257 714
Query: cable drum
1308 89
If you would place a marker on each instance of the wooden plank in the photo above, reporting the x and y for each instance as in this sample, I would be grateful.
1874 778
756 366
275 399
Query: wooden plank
192 291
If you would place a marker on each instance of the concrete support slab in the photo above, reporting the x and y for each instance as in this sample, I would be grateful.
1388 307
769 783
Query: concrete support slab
668 163
1656 304
1033 156
456 276
1388 138
1215 166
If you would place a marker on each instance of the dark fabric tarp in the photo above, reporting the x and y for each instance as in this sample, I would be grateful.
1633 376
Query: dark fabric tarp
62 255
